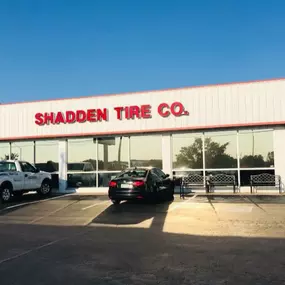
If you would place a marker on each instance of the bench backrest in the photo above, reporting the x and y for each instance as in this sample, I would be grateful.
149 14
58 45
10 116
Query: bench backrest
222 179
193 179
264 179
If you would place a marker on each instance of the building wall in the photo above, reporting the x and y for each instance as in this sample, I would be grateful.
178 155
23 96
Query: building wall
245 104
249 111
279 161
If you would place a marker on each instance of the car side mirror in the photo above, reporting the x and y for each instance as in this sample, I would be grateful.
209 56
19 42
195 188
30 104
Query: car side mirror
167 175
37 170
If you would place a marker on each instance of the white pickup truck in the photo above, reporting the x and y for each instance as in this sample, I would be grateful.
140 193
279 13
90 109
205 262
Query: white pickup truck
18 177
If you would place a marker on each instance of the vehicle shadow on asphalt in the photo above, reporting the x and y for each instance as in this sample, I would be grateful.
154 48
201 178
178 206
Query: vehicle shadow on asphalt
133 212
133 255
114 255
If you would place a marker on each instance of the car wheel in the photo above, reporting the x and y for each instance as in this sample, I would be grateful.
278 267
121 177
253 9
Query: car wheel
6 193
45 189
116 202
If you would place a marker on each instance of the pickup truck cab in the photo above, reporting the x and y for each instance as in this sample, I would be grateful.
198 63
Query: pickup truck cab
18 177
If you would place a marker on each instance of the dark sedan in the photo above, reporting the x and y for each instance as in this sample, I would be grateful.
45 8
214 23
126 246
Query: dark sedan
141 183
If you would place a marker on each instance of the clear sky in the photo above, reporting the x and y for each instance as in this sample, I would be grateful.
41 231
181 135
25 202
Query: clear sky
67 48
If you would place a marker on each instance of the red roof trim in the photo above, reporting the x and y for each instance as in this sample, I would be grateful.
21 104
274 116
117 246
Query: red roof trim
147 91
212 127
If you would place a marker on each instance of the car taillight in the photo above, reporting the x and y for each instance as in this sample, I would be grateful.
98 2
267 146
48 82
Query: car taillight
138 183
112 184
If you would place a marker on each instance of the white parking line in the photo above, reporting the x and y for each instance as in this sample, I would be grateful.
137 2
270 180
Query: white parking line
41 247
52 213
96 204
31 250
179 204
34 202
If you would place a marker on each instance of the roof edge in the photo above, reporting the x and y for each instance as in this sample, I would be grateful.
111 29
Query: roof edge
147 91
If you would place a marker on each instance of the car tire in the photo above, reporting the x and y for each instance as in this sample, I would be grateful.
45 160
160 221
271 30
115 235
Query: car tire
45 189
116 202
6 193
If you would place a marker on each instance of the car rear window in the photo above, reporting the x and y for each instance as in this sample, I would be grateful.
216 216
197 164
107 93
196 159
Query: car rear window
7 166
140 173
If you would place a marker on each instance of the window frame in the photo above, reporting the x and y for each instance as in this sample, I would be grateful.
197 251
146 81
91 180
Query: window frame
238 132
30 165
160 172
9 163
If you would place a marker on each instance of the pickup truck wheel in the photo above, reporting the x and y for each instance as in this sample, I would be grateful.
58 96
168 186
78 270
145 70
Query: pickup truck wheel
45 189
6 193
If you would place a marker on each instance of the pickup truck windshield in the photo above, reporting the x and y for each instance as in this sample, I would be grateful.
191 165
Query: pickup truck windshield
7 166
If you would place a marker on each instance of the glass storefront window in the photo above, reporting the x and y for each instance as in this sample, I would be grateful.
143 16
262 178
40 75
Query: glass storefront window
81 155
113 153
47 159
177 175
104 178
245 175
256 148
187 151
81 179
226 172
221 149
185 173
47 156
146 151
255 151
4 151
23 151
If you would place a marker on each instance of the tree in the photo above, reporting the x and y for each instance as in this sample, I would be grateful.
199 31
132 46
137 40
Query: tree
14 156
215 156
191 156
257 160
154 163
252 161
270 159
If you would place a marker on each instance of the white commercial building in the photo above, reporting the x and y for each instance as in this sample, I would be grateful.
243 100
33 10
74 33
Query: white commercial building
232 128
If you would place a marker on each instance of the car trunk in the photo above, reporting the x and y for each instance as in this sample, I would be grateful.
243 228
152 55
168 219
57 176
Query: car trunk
129 183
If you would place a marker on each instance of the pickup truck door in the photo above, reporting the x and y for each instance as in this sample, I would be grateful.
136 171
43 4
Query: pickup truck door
31 176
18 180
16 176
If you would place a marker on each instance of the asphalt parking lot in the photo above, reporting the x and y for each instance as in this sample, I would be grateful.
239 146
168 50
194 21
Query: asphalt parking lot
84 239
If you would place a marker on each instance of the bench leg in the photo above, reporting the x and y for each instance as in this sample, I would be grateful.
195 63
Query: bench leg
207 188
182 193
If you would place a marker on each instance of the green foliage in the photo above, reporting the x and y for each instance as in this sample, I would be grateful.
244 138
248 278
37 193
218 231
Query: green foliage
252 161
216 157
191 156
14 156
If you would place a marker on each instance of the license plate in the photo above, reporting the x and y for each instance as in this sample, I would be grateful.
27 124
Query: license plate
126 186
